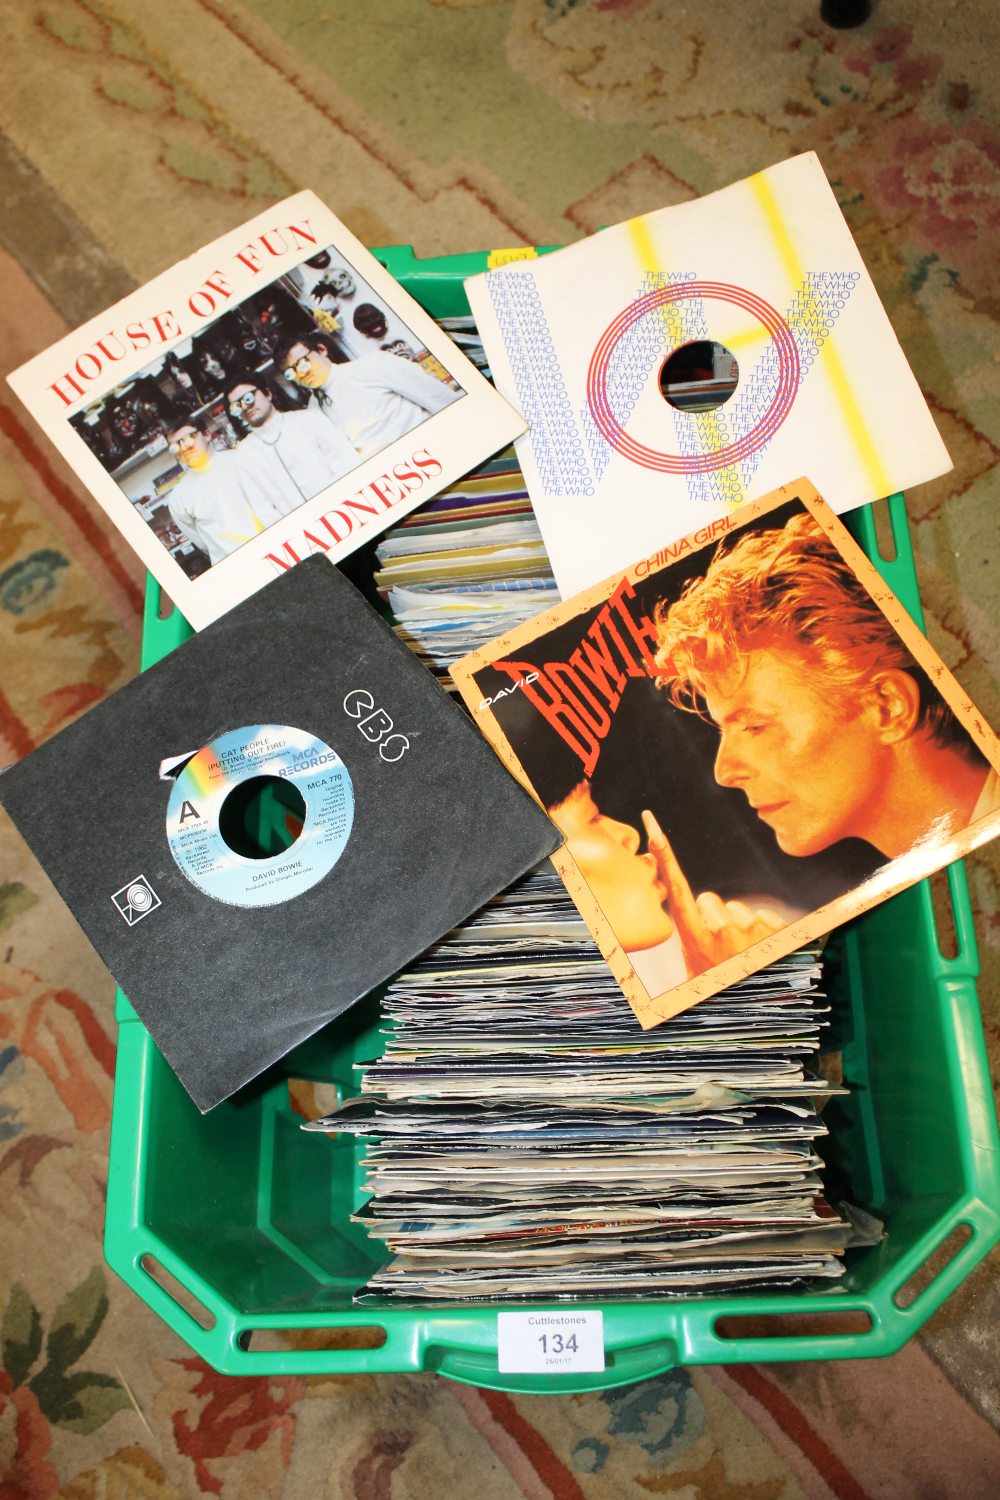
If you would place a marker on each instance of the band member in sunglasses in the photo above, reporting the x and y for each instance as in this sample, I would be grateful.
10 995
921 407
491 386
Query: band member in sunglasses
293 455
216 504
373 400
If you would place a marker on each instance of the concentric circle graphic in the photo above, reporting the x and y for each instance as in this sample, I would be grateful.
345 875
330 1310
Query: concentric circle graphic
789 372
199 793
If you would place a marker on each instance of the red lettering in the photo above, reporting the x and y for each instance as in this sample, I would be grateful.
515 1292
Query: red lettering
706 533
425 460
385 494
554 708
281 563
195 300
204 294
402 473
575 689
593 660
316 544
102 344
325 521
66 400
166 326
675 549
361 508
282 243
301 236
249 258
137 335
218 283
640 630
94 361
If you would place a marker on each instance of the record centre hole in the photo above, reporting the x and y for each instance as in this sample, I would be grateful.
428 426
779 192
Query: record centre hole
262 817
699 376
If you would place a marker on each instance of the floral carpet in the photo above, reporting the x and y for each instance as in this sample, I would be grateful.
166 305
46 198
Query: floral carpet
130 135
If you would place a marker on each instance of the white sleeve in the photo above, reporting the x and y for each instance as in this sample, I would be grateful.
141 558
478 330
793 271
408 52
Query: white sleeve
407 379
245 479
331 441
183 519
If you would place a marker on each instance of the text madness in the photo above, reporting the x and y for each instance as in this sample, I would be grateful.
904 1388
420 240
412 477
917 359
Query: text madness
346 517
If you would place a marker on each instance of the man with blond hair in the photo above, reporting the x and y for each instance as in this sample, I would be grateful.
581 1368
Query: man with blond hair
827 724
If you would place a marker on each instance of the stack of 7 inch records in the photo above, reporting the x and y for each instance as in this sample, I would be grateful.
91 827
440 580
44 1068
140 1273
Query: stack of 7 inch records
684 680
529 1140
525 1137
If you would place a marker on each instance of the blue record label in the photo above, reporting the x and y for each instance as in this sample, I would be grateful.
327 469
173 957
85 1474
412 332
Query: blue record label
219 768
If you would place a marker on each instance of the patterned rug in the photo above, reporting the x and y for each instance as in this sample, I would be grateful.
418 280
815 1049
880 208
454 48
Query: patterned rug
131 134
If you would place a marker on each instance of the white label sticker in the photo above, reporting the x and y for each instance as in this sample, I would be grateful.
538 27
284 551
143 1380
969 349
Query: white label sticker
549 1342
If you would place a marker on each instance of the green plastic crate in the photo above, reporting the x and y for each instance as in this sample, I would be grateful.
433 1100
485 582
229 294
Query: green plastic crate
234 1226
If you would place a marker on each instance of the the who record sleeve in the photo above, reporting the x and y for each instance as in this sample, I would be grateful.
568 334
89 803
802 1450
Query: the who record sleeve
232 943
745 741
756 293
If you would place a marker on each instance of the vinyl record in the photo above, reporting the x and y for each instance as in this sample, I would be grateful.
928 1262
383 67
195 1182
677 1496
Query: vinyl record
389 820
205 788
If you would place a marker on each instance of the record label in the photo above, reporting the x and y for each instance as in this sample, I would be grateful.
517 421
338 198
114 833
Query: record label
200 792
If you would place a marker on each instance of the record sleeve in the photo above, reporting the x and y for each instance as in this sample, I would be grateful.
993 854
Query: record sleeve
232 942
275 395
607 347
745 741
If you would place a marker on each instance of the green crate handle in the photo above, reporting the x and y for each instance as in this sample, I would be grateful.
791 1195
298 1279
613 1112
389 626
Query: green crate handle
966 959
898 571
643 1339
